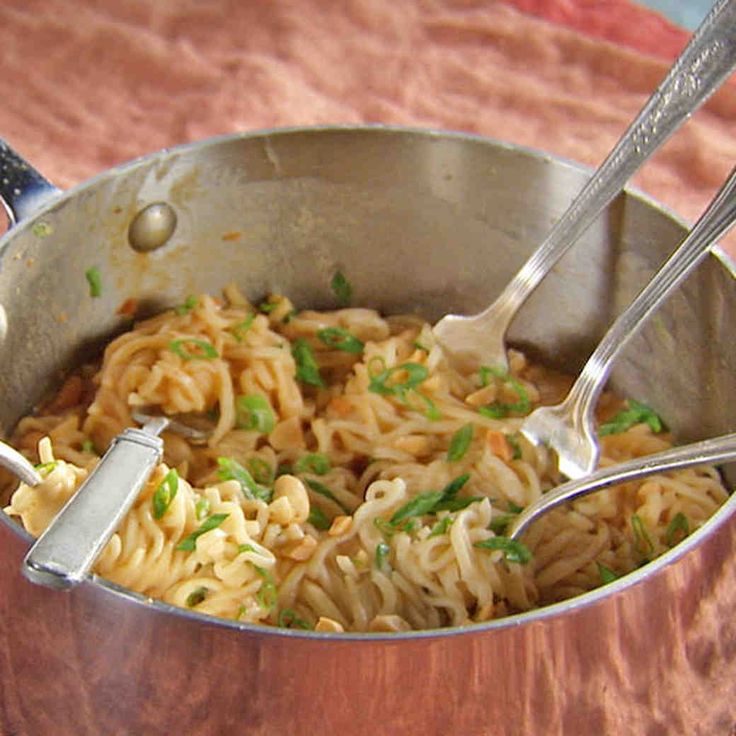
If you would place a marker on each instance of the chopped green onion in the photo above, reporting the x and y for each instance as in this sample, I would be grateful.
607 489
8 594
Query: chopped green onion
89 446
196 597
416 344
515 508
203 350
94 279
425 406
382 553
46 468
232 470
289 620
246 548
267 595
307 370
212 522
486 371
289 316
238 331
422 504
201 508
500 409
635 413
460 443
283 469
340 339
189 304
261 471
456 504
165 493
314 462
416 374
342 289
322 490
500 523
679 526
318 519
642 540
254 412
384 526
513 551
513 440
442 526
606 574
268 306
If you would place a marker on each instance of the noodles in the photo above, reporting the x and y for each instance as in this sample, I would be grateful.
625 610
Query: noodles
353 480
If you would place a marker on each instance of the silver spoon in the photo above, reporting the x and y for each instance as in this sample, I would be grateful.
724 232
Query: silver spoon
64 554
569 427
707 60
18 465
717 450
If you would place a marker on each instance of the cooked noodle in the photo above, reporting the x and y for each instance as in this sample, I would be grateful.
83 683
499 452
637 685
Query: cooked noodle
320 535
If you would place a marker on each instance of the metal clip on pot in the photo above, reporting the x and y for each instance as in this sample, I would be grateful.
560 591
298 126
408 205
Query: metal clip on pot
64 554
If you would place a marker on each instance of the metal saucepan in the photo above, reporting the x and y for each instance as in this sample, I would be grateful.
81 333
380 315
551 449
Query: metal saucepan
652 653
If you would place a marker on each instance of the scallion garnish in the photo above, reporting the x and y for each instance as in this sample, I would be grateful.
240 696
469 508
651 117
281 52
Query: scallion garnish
261 471
635 413
340 339
460 443
289 620
232 470
254 412
190 348
342 289
201 508
238 331
642 540
382 553
196 597
318 519
89 446
187 306
307 370
322 490
46 468
606 574
416 373
501 409
267 595
442 526
513 551
94 279
513 440
678 527
268 306
314 462
188 544
165 493
433 501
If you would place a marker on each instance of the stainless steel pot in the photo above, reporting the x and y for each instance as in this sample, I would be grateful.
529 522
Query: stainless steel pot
418 220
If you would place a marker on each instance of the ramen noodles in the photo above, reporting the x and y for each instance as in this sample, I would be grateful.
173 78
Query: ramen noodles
353 479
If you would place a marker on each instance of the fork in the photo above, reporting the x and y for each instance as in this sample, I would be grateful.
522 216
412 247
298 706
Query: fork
706 61
568 427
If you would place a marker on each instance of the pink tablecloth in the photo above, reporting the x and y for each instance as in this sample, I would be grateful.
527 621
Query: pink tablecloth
84 87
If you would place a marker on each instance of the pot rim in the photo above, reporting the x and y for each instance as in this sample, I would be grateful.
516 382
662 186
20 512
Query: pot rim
567 606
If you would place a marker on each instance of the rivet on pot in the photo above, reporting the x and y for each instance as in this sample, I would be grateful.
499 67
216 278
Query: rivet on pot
152 227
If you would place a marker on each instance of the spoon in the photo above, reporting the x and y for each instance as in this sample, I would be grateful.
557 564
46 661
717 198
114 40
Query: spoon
716 450
18 465
707 60
569 427
64 554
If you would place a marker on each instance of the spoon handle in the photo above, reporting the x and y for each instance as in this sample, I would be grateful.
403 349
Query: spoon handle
716 450
64 554
714 222
707 60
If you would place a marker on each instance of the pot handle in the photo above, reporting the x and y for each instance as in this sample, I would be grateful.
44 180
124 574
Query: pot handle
23 190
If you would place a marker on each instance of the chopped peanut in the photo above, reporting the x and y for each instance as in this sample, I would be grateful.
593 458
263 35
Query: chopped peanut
499 445
287 434
303 550
413 443
482 396
290 488
340 405
340 524
328 624
388 622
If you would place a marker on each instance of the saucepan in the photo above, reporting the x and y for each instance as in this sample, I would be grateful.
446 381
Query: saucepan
424 222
